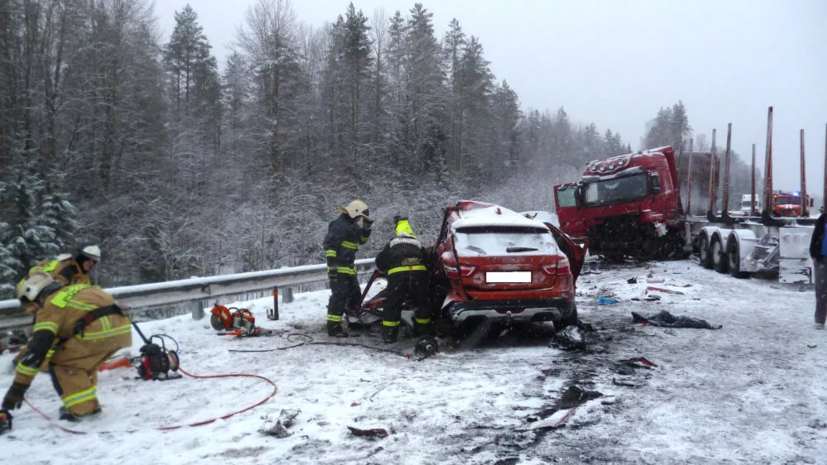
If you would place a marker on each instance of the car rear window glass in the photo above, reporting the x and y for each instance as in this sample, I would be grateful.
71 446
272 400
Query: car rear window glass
503 240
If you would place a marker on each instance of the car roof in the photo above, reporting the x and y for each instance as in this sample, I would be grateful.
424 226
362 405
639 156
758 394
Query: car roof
475 214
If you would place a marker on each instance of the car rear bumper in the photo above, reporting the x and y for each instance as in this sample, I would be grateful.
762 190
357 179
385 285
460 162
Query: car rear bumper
512 311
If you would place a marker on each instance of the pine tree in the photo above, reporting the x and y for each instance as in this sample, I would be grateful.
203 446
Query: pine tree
188 59
25 239
356 57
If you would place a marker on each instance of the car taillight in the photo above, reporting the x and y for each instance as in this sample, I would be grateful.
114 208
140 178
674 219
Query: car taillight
464 270
561 266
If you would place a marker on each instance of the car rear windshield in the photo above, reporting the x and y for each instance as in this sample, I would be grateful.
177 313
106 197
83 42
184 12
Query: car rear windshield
503 240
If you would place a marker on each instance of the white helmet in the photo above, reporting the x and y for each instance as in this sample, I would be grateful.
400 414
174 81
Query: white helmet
356 209
89 251
31 287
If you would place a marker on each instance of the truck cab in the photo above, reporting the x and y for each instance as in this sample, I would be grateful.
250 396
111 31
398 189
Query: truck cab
789 204
623 203
746 206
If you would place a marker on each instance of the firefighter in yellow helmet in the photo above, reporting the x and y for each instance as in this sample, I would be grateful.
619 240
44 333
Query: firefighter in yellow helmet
69 268
90 328
344 236
404 261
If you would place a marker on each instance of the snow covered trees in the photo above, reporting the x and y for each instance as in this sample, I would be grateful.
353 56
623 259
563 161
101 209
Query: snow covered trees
179 167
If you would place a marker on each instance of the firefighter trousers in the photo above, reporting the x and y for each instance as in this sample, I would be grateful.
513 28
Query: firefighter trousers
345 295
403 286
74 370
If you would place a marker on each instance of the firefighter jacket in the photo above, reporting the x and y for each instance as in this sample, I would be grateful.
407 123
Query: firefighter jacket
84 319
344 236
67 270
402 253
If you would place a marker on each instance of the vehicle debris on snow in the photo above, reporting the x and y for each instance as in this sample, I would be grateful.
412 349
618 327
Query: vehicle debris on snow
667 320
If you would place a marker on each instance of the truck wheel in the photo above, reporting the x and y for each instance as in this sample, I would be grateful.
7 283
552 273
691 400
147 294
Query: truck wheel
719 259
734 259
704 253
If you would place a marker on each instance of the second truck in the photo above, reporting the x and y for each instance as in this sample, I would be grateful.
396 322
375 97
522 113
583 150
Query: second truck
631 205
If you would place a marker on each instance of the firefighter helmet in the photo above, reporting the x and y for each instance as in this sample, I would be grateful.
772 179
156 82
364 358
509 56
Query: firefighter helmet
30 288
356 209
88 252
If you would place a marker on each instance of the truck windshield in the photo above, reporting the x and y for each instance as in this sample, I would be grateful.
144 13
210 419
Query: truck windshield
787 200
626 189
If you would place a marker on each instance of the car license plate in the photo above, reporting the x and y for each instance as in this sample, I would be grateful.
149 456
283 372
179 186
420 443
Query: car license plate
508 277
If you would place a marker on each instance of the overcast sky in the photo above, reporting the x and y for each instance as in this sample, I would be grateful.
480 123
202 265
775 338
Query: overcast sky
616 62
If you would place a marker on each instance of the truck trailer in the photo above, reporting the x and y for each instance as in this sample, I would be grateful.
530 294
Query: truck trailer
631 206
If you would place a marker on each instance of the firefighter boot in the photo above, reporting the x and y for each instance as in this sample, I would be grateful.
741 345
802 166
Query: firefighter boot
334 329
390 333
66 414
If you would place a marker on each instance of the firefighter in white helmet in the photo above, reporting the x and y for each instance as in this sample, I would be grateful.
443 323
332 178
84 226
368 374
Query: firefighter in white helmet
89 327
344 236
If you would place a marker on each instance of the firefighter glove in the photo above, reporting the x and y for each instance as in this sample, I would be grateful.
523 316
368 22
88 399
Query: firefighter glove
14 396
5 421
367 223
332 273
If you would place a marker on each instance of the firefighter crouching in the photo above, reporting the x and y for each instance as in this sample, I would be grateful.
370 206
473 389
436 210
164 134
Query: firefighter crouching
70 268
344 236
403 261
90 328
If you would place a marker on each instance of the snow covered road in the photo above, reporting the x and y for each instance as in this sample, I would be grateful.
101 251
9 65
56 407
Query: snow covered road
752 392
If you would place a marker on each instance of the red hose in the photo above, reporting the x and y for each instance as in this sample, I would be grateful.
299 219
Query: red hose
167 428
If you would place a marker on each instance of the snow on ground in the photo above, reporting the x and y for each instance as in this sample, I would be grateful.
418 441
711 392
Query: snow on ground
753 392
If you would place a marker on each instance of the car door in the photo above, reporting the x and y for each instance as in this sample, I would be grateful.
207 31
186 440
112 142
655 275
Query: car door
574 252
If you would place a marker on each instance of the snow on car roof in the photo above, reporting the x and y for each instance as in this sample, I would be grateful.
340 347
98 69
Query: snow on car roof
494 215
543 216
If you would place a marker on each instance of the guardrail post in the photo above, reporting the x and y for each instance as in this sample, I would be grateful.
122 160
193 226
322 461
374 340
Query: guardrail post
197 310
288 295
273 314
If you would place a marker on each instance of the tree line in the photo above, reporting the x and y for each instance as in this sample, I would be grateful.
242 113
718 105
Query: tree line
179 167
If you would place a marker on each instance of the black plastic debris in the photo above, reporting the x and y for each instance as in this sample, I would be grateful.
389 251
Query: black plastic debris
375 432
667 320
570 338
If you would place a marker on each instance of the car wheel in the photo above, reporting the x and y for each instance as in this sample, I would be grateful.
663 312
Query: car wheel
473 331
704 253
719 259
570 320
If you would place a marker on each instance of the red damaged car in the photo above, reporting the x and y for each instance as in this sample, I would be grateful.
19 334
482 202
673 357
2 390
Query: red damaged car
493 265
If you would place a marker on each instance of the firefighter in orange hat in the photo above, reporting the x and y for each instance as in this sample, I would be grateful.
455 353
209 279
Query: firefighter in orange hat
89 327
404 261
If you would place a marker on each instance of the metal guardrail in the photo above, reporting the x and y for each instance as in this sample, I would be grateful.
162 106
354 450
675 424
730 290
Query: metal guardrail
144 297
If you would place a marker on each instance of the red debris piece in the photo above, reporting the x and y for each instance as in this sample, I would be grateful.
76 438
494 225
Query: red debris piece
354 404
667 291
644 361
376 432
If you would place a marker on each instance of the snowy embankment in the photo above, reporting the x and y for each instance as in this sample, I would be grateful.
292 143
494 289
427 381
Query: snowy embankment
752 392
